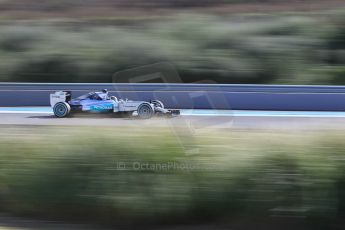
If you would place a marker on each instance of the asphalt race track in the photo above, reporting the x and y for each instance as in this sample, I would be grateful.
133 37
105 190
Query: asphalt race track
198 119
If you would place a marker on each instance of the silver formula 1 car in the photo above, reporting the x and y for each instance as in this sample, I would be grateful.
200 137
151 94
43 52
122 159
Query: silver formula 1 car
63 104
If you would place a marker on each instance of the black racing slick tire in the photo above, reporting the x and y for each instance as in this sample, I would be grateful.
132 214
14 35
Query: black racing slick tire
145 111
61 109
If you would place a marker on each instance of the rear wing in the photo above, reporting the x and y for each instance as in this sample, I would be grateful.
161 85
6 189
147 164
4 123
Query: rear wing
60 96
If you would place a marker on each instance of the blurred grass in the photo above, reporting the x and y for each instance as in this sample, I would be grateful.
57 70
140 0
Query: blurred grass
78 174
276 48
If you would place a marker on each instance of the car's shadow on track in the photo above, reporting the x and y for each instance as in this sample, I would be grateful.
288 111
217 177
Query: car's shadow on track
83 116
90 116
43 117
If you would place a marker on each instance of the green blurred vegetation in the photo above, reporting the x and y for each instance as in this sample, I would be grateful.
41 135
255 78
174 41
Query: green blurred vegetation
277 48
74 174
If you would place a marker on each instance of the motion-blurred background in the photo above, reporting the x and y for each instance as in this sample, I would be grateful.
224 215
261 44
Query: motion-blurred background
226 41
140 176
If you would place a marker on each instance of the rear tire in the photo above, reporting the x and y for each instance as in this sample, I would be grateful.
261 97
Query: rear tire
145 111
61 109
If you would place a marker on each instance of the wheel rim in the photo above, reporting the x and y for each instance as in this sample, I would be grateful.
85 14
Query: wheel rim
145 111
60 110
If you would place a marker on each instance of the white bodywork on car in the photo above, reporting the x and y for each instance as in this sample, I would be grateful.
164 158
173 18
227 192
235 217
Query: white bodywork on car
127 106
59 96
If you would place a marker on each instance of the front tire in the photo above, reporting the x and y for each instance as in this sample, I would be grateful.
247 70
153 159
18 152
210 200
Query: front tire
61 109
145 111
